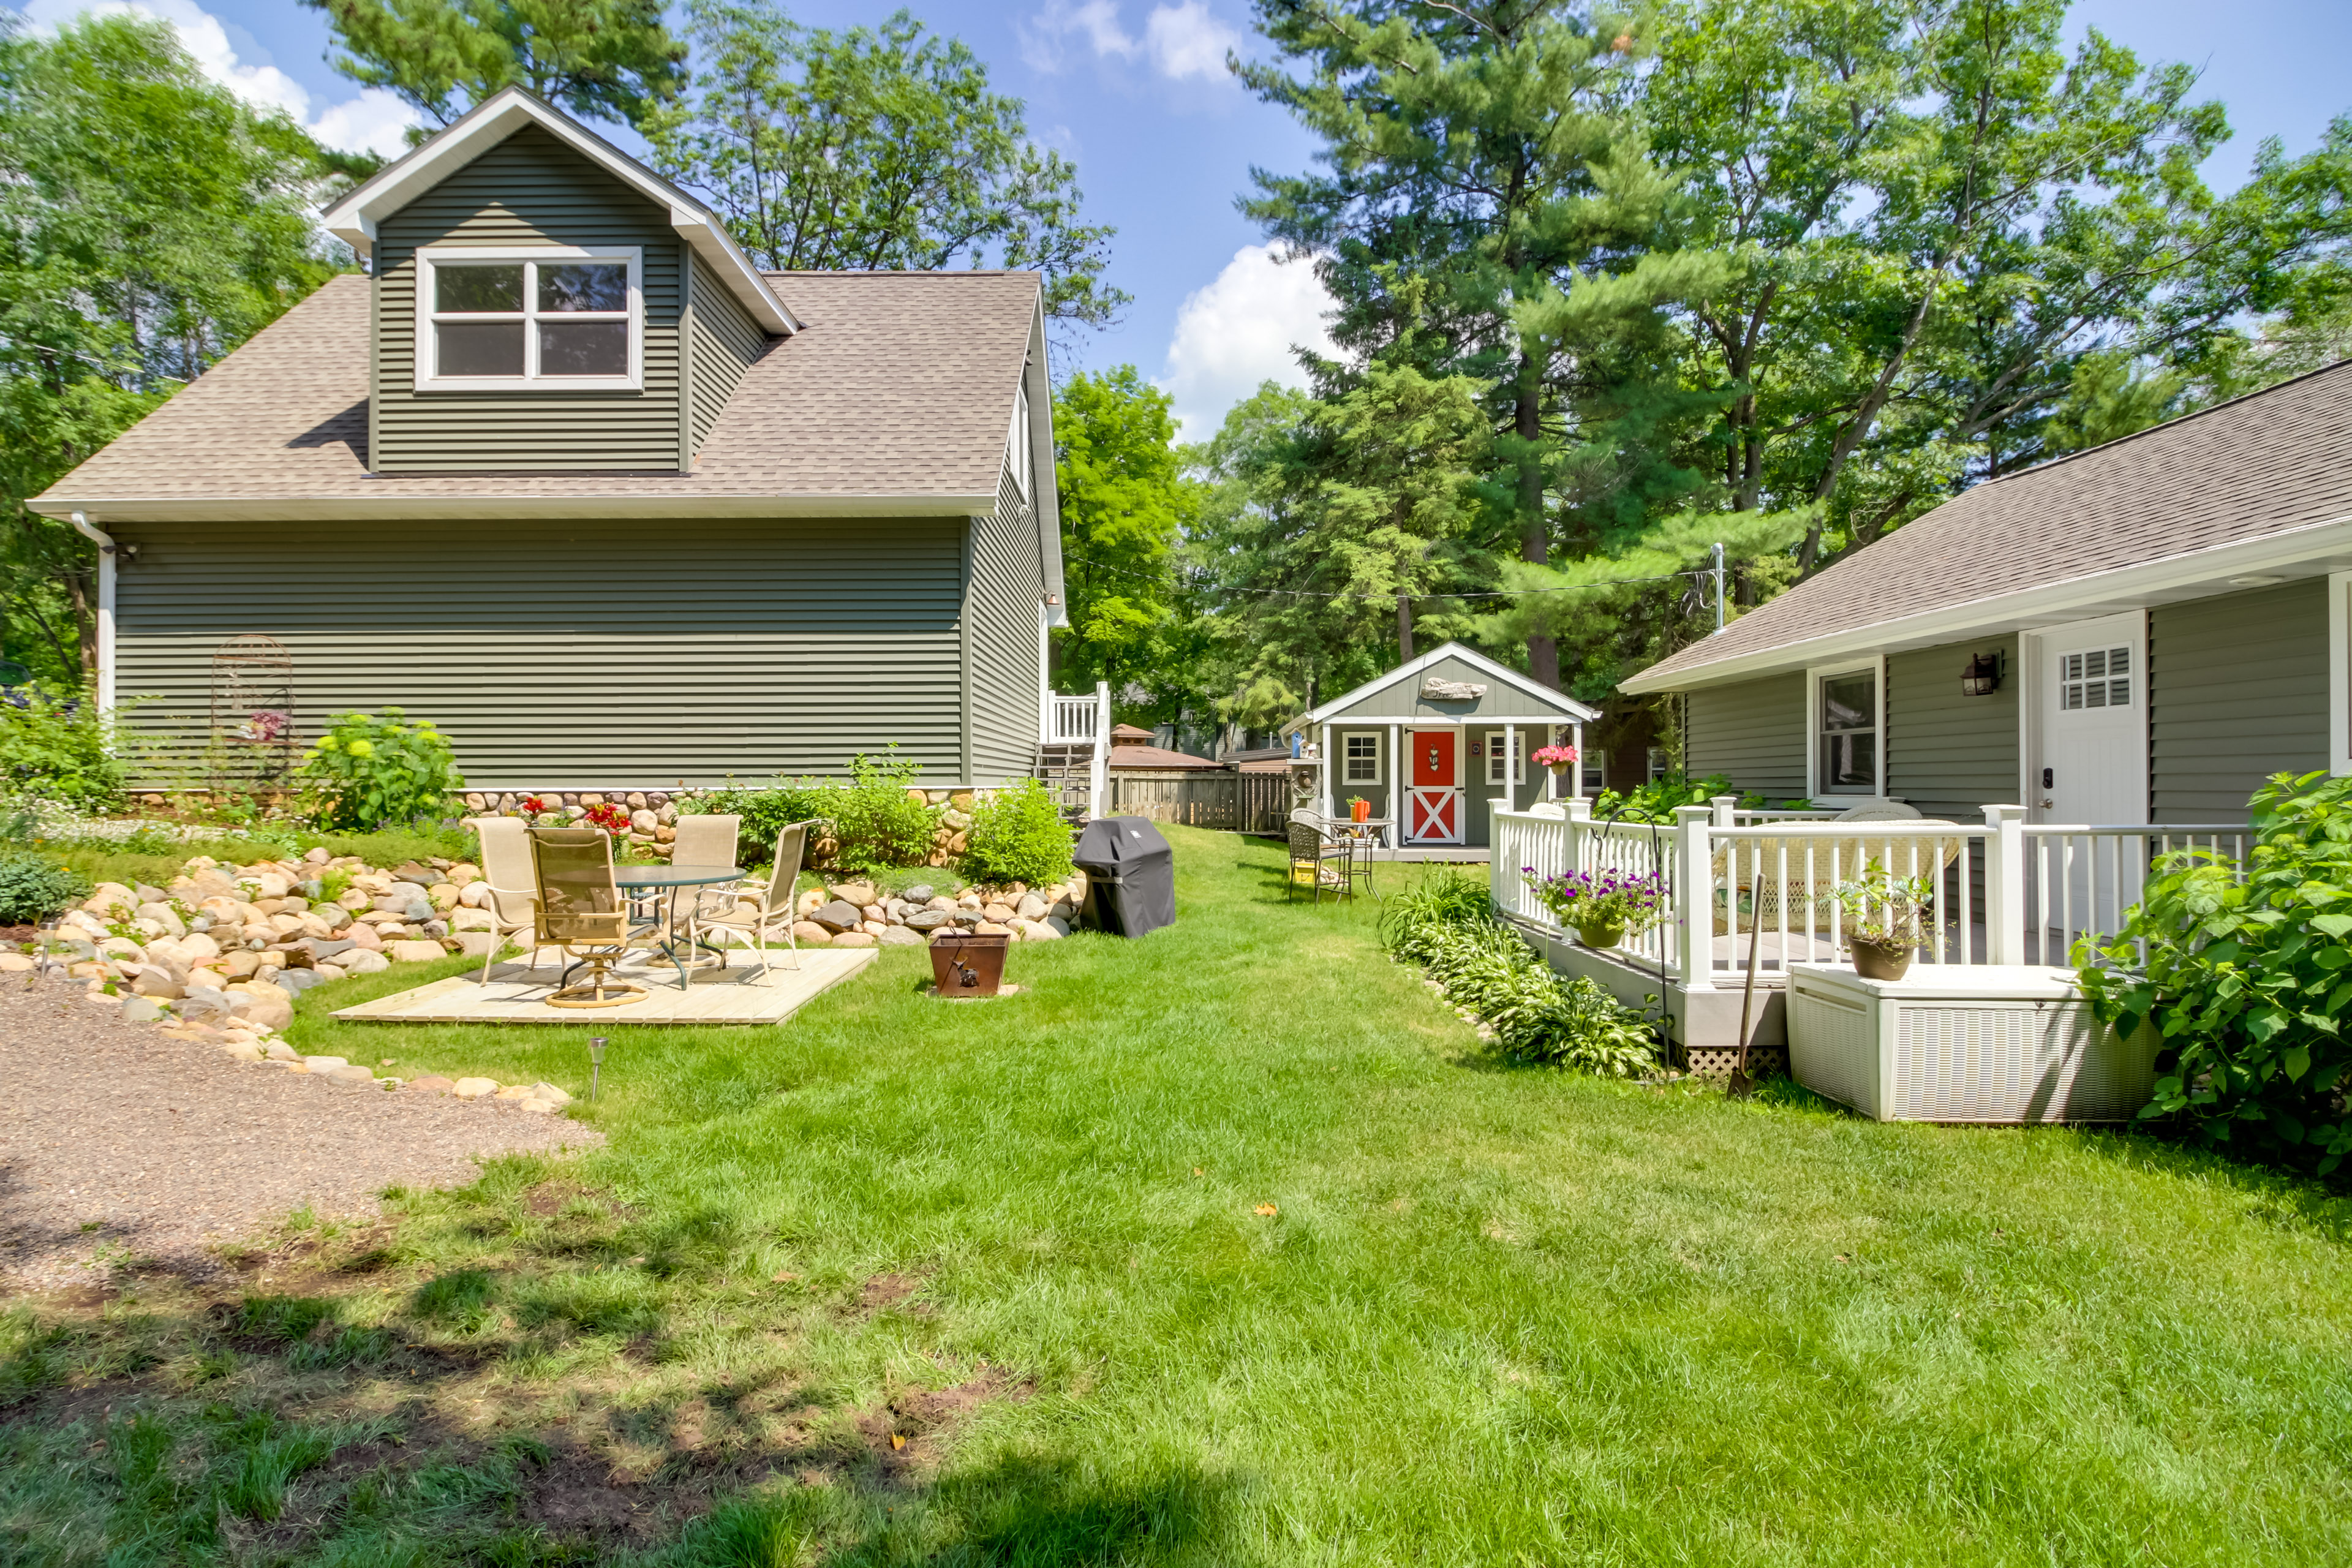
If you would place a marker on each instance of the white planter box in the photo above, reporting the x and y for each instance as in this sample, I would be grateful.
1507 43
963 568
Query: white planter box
2003 1043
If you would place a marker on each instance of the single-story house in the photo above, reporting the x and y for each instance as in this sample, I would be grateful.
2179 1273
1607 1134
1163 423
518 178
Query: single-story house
2139 633
568 474
1132 749
1464 727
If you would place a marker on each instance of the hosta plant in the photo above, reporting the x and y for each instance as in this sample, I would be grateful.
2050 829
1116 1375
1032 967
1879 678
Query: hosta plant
2249 976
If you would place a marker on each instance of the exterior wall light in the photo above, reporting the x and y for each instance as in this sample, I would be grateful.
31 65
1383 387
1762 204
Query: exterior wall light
1982 677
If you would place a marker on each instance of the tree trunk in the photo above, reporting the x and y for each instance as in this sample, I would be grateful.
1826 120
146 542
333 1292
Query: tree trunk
1404 628
1535 536
85 624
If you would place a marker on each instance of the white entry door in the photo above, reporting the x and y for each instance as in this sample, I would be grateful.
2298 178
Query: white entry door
2090 764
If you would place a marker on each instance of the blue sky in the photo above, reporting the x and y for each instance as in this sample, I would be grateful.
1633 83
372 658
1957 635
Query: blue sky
1135 92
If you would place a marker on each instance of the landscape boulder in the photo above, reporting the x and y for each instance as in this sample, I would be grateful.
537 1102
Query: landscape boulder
839 915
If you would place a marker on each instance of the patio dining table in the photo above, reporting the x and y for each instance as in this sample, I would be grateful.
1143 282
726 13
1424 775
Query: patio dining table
1366 836
678 944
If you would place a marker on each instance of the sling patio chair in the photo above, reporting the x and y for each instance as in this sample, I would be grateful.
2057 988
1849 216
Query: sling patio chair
581 911
753 922
702 841
513 882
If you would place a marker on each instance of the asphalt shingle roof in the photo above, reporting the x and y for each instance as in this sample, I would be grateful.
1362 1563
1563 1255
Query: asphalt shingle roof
2270 463
900 384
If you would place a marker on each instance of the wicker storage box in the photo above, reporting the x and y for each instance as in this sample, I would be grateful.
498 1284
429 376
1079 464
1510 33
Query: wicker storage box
1964 1043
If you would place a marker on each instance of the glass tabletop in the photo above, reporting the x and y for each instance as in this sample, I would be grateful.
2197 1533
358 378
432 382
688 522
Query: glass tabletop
673 876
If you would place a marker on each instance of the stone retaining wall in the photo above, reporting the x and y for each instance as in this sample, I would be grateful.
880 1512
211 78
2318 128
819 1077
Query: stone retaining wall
654 813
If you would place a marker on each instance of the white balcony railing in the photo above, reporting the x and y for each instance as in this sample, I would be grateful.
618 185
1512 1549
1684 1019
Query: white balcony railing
2005 891
1073 722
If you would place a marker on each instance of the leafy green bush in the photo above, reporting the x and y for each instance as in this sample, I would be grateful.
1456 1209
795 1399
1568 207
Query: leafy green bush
876 821
34 887
2249 978
58 746
1655 801
1447 926
1018 836
372 771
766 812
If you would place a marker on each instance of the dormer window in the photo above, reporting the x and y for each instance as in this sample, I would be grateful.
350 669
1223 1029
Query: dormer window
551 317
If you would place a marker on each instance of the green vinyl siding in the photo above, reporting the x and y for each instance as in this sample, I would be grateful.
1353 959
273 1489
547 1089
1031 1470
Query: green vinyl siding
723 343
1752 733
1008 584
569 654
2237 690
1502 701
1948 753
530 189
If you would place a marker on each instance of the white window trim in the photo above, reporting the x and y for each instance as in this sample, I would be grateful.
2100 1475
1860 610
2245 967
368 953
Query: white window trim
1814 675
1512 745
427 344
2339 673
1379 773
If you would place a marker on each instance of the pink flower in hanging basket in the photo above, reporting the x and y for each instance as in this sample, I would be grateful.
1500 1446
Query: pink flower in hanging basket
1554 756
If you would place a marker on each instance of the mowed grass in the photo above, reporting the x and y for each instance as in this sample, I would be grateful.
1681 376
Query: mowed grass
905 1281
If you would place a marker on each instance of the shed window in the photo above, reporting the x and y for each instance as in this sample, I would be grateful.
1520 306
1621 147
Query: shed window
1847 739
555 318
1504 763
1360 759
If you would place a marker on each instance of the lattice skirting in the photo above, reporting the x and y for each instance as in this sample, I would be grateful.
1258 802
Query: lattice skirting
1709 1062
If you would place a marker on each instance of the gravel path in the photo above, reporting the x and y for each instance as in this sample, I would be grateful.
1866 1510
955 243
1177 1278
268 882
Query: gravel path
116 1138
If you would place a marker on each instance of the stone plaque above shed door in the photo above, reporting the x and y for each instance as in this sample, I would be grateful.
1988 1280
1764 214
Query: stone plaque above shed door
2090 762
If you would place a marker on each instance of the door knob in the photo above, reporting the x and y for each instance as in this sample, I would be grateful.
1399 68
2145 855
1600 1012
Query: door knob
2047 803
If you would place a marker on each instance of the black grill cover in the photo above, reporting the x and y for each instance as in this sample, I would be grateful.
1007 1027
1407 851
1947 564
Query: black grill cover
1130 875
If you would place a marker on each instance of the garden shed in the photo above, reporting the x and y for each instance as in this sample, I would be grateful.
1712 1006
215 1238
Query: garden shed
1464 726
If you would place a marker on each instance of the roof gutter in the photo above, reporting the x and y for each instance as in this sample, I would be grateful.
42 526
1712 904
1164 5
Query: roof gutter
2169 579
107 550
393 507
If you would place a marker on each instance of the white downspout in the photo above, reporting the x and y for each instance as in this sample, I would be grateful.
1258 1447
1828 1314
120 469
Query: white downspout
105 543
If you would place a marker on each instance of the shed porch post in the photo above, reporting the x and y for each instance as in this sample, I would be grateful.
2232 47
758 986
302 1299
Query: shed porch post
1576 769
1323 768
1396 787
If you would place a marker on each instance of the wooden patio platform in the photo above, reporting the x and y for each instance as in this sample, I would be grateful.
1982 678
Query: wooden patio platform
735 994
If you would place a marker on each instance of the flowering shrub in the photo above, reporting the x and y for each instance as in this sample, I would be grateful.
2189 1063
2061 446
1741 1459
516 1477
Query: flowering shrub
373 771
1553 756
1610 898
613 819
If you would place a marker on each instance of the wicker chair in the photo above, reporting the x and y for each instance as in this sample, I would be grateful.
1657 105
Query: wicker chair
1768 900
1311 850
581 912
773 908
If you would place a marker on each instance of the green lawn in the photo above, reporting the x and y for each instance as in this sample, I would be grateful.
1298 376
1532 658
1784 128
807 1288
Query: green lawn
1498 1315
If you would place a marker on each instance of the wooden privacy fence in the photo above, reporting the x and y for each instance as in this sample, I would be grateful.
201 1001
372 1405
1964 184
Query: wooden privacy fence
1239 803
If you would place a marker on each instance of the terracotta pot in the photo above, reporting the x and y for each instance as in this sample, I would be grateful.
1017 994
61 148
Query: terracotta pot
1601 935
1359 810
1880 961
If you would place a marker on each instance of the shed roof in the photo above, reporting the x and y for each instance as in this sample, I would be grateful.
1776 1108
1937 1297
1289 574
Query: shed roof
2259 481
1546 701
895 398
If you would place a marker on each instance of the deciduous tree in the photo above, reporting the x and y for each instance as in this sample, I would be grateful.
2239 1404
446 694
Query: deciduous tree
600 59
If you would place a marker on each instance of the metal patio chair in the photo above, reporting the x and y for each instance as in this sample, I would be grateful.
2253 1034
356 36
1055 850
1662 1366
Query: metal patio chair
581 911
513 882
774 904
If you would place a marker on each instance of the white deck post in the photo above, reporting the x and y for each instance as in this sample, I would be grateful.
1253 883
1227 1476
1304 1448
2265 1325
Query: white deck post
1695 894
1726 808
1396 787
2004 893
1097 770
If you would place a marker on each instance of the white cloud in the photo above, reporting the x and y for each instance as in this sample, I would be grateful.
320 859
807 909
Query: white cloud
1180 41
1185 40
373 120
1239 331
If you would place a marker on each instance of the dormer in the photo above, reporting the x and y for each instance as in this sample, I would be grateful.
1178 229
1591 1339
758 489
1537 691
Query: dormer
543 303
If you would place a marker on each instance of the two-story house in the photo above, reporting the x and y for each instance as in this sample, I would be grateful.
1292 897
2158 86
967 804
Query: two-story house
566 473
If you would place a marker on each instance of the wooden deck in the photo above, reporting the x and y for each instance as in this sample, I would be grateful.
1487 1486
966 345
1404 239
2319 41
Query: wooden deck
735 994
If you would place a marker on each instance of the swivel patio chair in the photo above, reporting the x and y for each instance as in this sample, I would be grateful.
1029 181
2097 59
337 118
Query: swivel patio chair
581 912
775 905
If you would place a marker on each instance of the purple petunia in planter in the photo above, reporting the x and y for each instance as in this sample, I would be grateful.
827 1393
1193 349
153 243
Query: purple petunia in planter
1603 907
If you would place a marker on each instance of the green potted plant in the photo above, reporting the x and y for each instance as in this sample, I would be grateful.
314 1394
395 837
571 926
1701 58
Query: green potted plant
1603 908
1887 918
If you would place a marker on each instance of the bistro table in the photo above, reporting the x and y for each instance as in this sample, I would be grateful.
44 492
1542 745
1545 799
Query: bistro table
1369 835
637 883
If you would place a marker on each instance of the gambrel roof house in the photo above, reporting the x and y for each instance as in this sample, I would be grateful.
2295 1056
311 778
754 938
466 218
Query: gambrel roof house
568 475
2139 633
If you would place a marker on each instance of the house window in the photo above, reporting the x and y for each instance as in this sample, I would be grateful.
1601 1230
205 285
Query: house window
1360 759
1846 733
2100 678
1503 764
554 316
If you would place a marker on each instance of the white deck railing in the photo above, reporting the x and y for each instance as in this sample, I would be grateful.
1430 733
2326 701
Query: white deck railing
1073 722
2005 891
